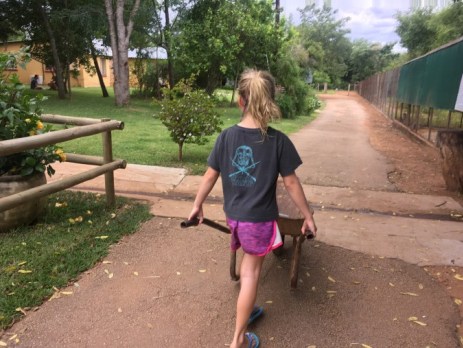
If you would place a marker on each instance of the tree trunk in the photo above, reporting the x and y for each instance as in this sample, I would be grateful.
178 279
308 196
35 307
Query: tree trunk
167 35
180 152
98 72
120 36
59 72
277 13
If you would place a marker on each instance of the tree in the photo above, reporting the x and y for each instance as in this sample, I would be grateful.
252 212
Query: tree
416 32
325 38
189 115
449 24
120 29
217 39
367 59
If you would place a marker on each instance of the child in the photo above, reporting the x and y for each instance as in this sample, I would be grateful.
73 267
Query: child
249 156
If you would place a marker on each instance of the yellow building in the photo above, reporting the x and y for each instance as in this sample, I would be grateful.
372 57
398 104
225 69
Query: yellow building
84 78
34 67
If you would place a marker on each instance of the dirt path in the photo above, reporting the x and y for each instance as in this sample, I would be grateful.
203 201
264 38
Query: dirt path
170 287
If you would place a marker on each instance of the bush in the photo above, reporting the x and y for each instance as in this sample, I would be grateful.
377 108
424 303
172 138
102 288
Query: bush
286 104
312 102
189 115
19 118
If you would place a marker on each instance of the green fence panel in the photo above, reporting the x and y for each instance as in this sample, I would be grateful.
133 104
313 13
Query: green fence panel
434 79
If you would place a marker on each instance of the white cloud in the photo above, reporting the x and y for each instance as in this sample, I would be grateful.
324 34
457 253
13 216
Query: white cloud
372 20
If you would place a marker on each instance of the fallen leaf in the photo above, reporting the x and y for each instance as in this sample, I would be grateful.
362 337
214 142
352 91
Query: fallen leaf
356 282
24 271
409 293
412 318
22 263
311 346
119 310
13 337
19 309
202 271
269 302
458 301
313 288
419 323
458 276
66 292
106 271
2 344
331 292
178 273
421 286
125 263
136 273
107 262
78 219
331 279
113 216
365 345
391 284
101 237
110 275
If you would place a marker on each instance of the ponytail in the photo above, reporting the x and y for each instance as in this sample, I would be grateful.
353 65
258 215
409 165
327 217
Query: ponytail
257 89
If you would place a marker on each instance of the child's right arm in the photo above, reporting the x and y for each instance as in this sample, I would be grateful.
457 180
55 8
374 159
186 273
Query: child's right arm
209 179
296 192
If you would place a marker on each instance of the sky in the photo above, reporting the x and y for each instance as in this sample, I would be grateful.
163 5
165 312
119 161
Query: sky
372 20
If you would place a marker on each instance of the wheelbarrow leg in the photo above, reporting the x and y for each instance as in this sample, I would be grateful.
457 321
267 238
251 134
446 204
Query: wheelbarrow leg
297 243
233 274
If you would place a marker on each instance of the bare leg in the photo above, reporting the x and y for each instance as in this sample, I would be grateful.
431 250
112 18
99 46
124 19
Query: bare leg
251 266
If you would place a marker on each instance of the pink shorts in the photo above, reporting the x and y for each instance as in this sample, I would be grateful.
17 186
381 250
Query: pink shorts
256 238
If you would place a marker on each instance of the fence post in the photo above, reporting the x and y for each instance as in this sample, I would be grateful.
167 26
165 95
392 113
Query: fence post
418 115
431 112
107 158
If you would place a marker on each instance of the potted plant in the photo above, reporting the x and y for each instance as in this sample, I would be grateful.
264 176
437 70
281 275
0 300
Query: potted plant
20 117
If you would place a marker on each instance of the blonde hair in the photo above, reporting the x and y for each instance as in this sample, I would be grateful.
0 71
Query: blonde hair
257 89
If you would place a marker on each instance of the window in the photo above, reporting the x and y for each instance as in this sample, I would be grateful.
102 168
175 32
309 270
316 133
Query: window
103 66
11 66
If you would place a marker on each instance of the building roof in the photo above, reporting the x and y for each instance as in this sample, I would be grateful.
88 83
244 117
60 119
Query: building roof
151 52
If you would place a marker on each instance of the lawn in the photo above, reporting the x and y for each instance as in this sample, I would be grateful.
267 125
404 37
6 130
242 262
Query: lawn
144 140
74 233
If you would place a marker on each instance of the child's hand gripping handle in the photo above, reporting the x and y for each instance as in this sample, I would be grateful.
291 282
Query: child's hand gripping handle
189 223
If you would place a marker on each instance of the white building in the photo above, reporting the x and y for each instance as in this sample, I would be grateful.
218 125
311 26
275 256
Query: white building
433 4
326 3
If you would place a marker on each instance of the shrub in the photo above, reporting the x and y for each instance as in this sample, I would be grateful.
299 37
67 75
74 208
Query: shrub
19 118
189 115
286 104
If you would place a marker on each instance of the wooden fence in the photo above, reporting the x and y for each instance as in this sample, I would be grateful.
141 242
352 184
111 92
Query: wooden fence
86 127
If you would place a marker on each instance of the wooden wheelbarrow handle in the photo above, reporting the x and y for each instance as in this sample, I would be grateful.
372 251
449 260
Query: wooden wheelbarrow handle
221 228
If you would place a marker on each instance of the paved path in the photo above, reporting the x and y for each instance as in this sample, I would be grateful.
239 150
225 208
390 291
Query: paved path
361 293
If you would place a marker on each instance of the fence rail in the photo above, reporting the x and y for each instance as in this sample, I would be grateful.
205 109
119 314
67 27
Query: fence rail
86 127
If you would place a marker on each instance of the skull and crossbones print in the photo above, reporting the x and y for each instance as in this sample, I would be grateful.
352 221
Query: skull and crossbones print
244 163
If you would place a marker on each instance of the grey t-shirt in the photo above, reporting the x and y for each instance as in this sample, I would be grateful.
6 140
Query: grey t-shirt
249 167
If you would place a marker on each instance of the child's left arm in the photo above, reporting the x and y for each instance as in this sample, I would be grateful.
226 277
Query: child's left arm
209 179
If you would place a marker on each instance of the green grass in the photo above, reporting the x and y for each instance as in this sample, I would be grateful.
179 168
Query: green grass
144 140
56 251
